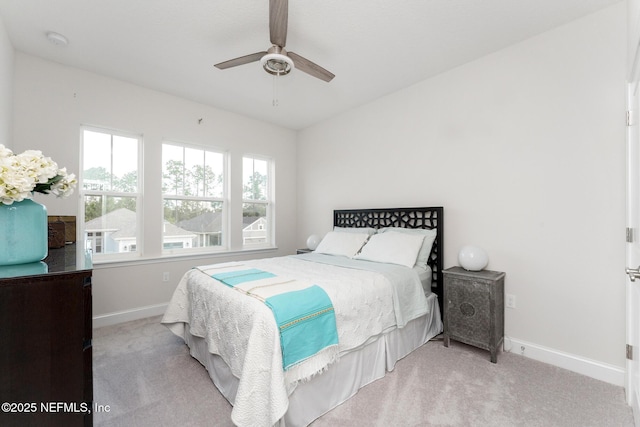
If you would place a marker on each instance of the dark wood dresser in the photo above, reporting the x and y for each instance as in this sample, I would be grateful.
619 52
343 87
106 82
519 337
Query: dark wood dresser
46 376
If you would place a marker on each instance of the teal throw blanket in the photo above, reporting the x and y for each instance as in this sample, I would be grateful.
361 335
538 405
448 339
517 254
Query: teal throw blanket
306 319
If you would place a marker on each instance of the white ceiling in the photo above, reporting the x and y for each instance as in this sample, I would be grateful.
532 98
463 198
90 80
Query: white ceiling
374 47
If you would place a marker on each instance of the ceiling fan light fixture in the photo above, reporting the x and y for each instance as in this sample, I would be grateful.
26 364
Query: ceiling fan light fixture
277 64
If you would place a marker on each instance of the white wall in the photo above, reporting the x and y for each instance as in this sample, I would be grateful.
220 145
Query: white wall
6 87
525 149
53 101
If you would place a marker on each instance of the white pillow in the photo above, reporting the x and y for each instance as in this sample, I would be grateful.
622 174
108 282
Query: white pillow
393 248
427 243
369 230
345 244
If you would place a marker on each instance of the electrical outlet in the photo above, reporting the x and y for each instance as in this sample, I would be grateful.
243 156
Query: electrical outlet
511 301
165 276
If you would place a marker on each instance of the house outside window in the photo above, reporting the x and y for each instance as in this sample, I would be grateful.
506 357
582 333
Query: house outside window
193 192
257 203
110 191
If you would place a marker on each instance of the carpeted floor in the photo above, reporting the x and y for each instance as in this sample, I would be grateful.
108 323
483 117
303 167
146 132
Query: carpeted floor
144 376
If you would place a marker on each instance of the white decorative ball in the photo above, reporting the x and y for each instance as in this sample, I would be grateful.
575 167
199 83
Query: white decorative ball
313 241
473 258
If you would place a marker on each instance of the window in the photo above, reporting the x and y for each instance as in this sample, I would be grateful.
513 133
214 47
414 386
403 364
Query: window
257 205
110 191
193 188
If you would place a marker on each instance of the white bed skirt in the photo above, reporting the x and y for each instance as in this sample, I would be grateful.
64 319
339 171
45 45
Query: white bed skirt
355 369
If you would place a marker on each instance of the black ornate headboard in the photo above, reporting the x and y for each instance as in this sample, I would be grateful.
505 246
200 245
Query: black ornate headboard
431 217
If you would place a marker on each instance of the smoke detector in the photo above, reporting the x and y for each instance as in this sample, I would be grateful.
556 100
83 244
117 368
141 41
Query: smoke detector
57 39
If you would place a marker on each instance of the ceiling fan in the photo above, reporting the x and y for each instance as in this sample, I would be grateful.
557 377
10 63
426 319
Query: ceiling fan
276 60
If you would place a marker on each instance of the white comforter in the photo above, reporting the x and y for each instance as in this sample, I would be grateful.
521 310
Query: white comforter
368 298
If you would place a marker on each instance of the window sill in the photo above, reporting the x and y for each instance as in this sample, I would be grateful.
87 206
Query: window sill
111 263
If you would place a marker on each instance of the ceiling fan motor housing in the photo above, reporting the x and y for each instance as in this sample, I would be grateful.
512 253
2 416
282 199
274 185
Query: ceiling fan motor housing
276 61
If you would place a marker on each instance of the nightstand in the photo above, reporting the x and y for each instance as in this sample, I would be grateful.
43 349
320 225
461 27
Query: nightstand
473 308
303 251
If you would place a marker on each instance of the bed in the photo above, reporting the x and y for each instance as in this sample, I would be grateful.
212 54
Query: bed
287 339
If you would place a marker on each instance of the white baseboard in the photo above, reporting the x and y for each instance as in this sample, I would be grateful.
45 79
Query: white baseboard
591 368
128 315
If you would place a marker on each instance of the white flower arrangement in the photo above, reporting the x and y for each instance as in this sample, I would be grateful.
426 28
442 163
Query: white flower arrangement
23 174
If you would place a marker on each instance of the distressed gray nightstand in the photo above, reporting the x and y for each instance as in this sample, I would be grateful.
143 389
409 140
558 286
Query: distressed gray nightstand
473 308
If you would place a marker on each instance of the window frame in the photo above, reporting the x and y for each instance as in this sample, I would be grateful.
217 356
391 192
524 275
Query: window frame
137 195
223 200
269 203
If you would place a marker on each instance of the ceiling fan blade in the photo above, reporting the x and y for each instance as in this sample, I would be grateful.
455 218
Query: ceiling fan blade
240 61
310 68
278 21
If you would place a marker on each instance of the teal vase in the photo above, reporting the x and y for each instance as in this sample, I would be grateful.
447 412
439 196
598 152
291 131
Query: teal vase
23 232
